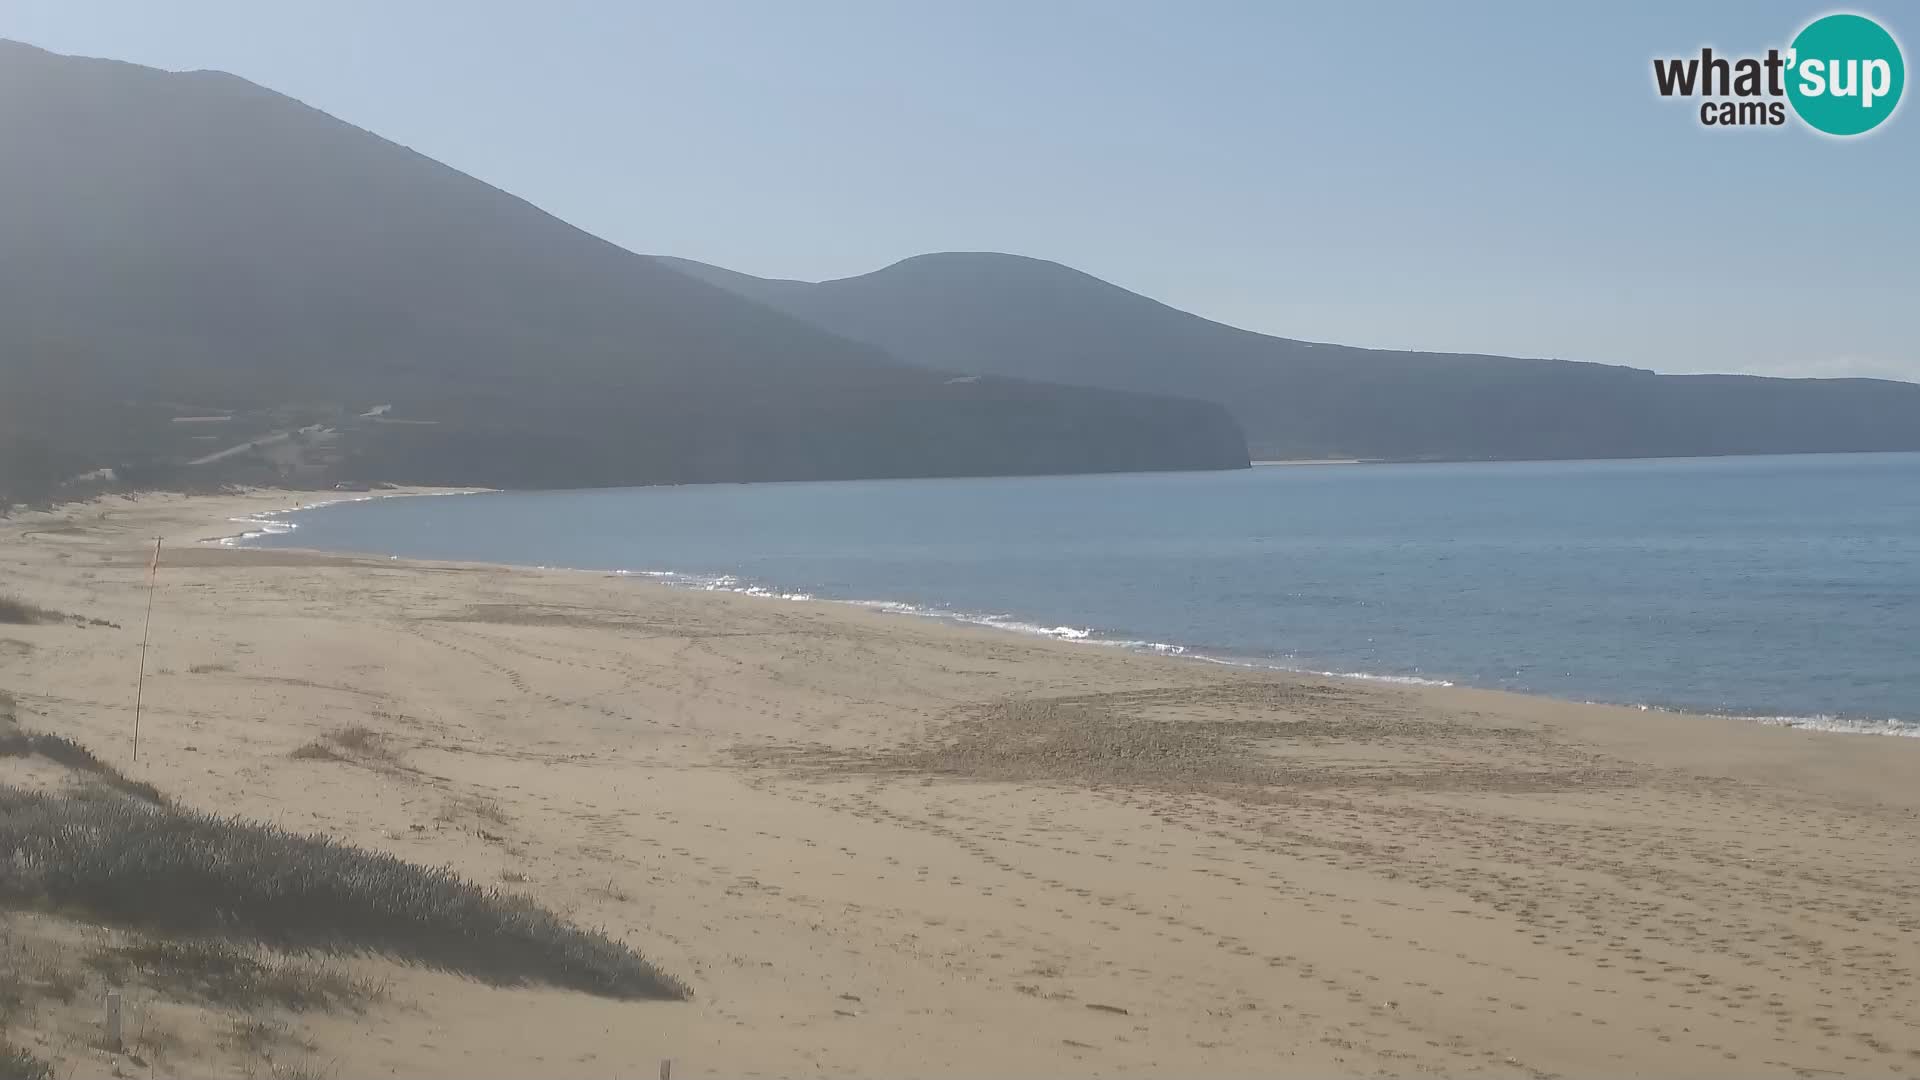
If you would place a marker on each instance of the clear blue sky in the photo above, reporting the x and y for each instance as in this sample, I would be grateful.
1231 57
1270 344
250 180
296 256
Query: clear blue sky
1487 177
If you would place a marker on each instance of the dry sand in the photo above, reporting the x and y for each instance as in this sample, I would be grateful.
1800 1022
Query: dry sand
878 845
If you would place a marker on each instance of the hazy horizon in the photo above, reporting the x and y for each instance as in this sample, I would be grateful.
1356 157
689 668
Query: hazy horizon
1240 164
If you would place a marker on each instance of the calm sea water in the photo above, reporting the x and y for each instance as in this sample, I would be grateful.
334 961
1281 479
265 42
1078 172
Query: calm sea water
1772 587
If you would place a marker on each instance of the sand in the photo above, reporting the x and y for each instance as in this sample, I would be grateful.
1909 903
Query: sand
879 845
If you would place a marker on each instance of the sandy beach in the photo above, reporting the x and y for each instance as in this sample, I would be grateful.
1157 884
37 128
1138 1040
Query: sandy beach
879 845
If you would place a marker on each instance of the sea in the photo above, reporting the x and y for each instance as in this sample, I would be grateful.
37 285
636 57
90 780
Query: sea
1786 589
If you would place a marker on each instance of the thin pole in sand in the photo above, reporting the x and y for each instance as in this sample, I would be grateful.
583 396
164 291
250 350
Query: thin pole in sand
140 687
112 1025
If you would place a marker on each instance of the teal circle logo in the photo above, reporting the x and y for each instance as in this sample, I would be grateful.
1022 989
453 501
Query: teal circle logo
1845 74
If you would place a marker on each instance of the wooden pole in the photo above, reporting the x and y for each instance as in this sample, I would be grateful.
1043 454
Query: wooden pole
113 1021
140 687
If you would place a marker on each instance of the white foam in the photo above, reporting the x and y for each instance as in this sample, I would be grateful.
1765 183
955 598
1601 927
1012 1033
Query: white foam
1160 647
1843 725
1840 725
267 524
1003 622
1402 680
1089 637
893 607
769 594
1074 634
1365 676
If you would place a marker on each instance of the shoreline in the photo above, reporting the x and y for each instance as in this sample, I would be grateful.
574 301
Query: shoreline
266 519
1259 463
1806 725
1837 723
887 847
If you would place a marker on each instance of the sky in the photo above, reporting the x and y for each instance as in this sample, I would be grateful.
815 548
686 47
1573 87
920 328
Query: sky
1485 177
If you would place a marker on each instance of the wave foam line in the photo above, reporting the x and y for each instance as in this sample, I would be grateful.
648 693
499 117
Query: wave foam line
1843 725
265 524
269 525
1074 634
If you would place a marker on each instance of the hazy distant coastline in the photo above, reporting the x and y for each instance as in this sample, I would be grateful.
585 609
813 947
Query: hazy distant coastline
490 344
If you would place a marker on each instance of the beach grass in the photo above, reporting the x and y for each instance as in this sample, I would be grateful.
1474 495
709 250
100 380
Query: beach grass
64 751
224 973
20 613
317 750
18 1064
171 871
355 743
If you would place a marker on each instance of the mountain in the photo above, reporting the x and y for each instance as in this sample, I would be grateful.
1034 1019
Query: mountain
193 242
1007 315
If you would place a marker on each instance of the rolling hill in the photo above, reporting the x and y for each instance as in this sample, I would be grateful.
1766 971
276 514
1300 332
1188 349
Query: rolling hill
193 243
1008 315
